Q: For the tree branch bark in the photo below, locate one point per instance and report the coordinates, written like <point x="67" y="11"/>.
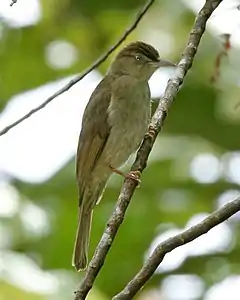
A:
<point x="100" y="60"/>
<point x="129" y="185"/>
<point x="172" y="243"/>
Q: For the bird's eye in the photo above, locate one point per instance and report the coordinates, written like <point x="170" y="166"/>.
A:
<point x="138" y="57"/>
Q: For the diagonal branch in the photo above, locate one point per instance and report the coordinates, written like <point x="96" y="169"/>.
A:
<point x="100" y="60"/>
<point x="172" y="243"/>
<point x="13" y="2"/>
<point x="141" y="160"/>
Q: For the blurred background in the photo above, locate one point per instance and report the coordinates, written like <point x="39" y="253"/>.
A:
<point x="193" y="169"/>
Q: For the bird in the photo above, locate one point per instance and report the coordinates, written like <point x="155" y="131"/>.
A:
<point x="114" y="123"/>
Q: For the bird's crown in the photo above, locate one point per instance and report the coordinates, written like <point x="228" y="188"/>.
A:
<point x="140" y="48"/>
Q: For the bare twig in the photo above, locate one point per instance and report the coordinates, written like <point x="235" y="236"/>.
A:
<point x="13" y="2"/>
<point x="172" y="243"/>
<point x="224" y="52"/>
<point x="140" y="163"/>
<point x="100" y="60"/>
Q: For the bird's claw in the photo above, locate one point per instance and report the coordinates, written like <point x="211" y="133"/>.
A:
<point x="151" y="132"/>
<point x="135" y="175"/>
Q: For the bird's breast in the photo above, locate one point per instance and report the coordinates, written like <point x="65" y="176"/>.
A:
<point x="129" y="119"/>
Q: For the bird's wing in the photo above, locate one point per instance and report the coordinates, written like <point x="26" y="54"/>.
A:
<point x="94" y="133"/>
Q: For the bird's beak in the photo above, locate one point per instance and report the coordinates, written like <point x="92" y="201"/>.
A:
<point x="166" y="63"/>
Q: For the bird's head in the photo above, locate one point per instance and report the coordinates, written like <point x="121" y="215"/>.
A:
<point x="140" y="60"/>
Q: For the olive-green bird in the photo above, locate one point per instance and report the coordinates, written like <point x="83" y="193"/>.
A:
<point x="114" y="123"/>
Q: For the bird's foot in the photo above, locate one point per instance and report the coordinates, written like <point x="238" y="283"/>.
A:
<point x="151" y="132"/>
<point x="135" y="175"/>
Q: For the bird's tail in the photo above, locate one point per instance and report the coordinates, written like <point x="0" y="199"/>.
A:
<point x="90" y="198"/>
<point x="82" y="239"/>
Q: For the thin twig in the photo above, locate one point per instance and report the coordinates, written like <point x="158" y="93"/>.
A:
<point x="13" y="2"/>
<point x="172" y="243"/>
<point x="141" y="160"/>
<point x="223" y="53"/>
<point x="100" y="60"/>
